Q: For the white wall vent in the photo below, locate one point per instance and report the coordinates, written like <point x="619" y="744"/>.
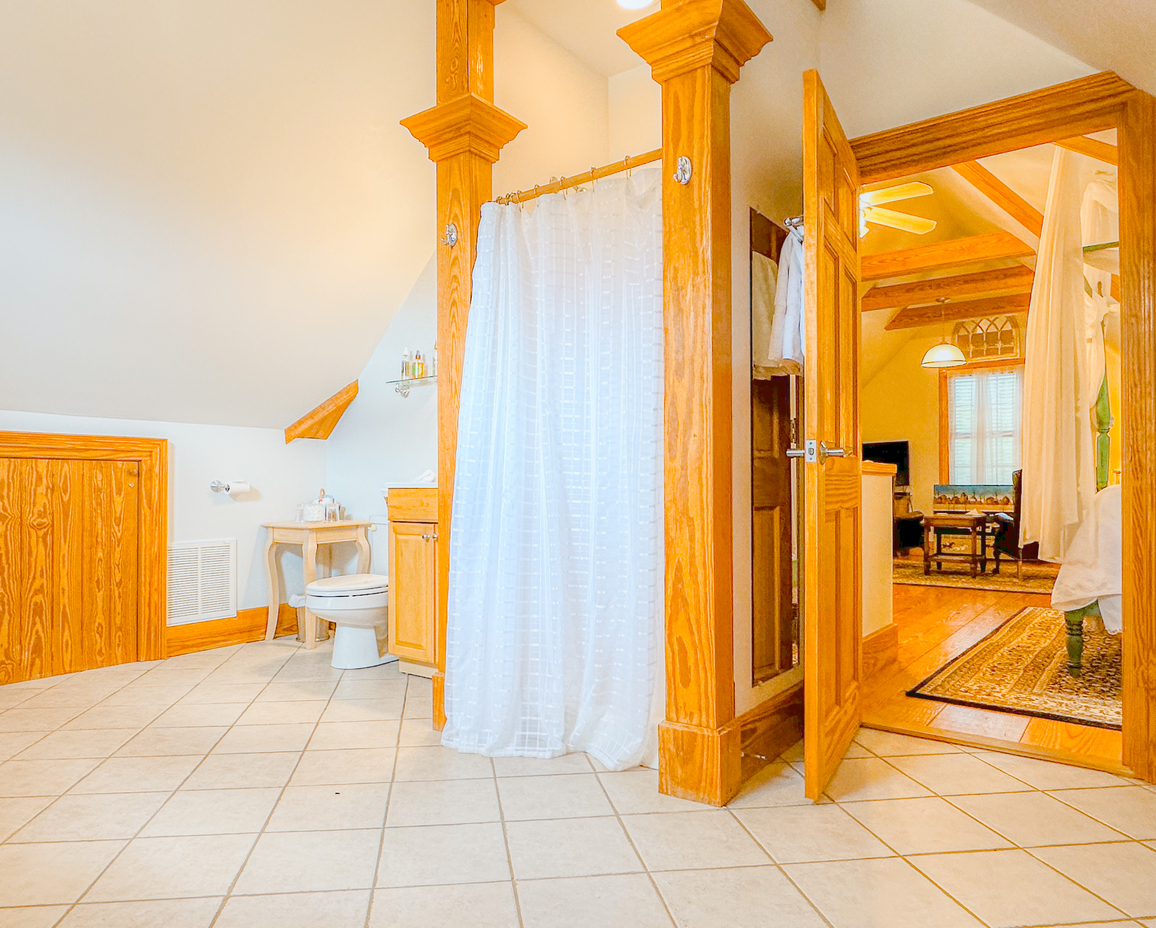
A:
<point x="202" y="581"/>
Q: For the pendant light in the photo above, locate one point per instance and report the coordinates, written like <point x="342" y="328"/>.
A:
<point x="944" y="354"/>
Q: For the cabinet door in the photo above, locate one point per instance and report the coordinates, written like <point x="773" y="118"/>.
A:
<point x="412" y="591"/>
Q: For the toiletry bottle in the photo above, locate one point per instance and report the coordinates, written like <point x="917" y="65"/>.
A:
<point x="434" y="368"/>
<point x="406" y="365"/>
<point x="418" y="366"/>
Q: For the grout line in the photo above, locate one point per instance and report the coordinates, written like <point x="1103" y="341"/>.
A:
<point x="388" y="801"/>
<point x="506" y="841"/>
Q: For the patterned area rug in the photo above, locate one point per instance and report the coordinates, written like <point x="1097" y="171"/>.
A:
<point x="1035" y="578"/>
<point x="1023" y="667"/>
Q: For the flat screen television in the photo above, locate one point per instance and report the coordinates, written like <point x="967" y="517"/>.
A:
<point x="891" y="452"/>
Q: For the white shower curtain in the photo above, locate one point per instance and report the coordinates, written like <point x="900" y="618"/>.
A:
<point x="555" y="638"/>
<point x="1059" y="476"/>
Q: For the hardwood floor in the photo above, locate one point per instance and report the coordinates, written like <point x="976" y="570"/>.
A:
<point x="938" y="623"/>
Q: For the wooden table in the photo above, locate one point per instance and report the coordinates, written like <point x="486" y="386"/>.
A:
<point x="936" y="526"/>
<point x="308" y="535"/>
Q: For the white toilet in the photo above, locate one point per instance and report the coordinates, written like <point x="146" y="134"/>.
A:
<point x="359" y="605"/>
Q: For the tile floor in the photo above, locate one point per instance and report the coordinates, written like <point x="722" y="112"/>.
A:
<point x="256" y="787"/>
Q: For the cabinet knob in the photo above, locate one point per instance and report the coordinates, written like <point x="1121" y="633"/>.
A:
<point x="432" y="537"/>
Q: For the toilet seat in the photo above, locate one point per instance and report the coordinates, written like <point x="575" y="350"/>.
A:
<point x="358" y="604"/>
<point x="349" y="585"/>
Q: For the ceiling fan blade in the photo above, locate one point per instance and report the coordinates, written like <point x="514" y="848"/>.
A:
<point x="896" y="192"/>
<point x="901" y="221"/>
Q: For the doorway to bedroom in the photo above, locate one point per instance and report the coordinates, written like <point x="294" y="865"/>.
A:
<point x="990" y="384"/>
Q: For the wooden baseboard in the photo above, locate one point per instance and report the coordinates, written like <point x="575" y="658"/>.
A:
<point x="247" y="625"/>
<point x="769" y="728"/>
<point x="699" y="764"/>
<point x="880" y="650"/>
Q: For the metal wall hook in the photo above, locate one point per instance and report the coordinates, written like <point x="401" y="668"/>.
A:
<point x="683" y="170"/>
<point x="451" y="238"/>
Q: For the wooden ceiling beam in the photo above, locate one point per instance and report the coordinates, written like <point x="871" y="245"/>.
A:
<point x="944" y="255"/>
<point x="1093" y="148"/>
<point x="320" y="422"/>
<point x="821" y="4"/>
<point x="1002" y="196"/>
<point x="1001" y="281"/>
<point x="915" y="316"/>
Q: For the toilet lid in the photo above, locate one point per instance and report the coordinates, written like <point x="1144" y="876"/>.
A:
<point x="355" y="584"/>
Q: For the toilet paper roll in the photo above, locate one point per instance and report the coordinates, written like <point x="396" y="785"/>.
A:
<point x="238" y="488"/>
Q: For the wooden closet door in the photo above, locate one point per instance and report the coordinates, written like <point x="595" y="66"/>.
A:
<point x="68" y="565"/>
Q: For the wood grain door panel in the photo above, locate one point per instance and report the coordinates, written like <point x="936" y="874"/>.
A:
<point x="413" y="591"/>
<point x="832" y="589"/>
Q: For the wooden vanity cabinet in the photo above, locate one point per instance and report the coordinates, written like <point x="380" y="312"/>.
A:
<point x="413" y="531"/>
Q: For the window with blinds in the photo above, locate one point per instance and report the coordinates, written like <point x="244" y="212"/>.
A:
<point x="985" y="425"/>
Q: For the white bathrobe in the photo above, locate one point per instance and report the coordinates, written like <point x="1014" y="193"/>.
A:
<point x="787" y="332"/>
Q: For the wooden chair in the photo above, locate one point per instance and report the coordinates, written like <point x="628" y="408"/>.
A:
<point x="1007" y="535"/>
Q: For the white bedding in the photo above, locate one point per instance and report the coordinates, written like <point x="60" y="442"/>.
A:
<point x="1092" y="570"/>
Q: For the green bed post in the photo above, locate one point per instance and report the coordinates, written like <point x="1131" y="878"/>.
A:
<point x="1103" y="421"/>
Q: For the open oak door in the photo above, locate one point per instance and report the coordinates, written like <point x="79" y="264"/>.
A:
<point x="832" y="543"/>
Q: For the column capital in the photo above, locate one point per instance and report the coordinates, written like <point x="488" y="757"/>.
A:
<point x="688" y="34"/>
<point x="465" y="124"/>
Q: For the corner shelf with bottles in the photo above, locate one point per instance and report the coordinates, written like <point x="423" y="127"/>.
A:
<point x="416" y="371"/>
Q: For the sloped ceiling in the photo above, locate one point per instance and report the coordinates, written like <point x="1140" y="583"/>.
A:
<point x="208" y="211"/>
<point x="1112" y="35"/>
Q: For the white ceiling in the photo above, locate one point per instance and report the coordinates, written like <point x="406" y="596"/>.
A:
<point x="1111" y="35"/>
<point x="587" y="28"/>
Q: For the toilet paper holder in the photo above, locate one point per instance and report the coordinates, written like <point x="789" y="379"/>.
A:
<point x="237" y="486"/>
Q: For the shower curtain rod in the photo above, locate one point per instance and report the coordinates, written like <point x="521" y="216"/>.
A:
<point x="564" y="183"/>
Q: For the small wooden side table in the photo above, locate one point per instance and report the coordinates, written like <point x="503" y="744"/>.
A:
<point x="308" y="535"/>
<point x="936" y="526"/>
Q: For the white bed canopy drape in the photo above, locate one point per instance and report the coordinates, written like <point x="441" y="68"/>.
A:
<point x="555" y="628"/>
<point x="1059" y="477"/>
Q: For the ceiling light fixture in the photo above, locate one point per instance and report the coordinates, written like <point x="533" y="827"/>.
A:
<point x="944" y="354"/>
<point x="634" y="4"/>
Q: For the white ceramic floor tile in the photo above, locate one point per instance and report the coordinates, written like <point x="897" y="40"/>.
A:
<point x="882" y="893"/>
<point x="172" y="868"/>
<point x="42" y="777"/>
<point x="749" y="897"/>
<point x="417" y="733"/>
<point x="336" y="736"/>
<point x="159" y="913"/>
<point x="311" y="861"/>
<point x="15" y="813"/>
<point x="438" y="763"/>
<point x="490" y="905"/>
<point x="693" y="840"/>
<point x="97" y="742"/>
<point x="569" y="847"/>
<point x="592" y="902"/>
<point x="1121" y="874"/>
<point x="36" y="719"/>
<point x="365" y="710"/>
<point x="135" y="717"/>
<point x="1130" y="809"/>
<point x="208" y="693"/>
<point x="243" y="771"/>
<point x="167" y="742"/>
<point x="796" y="834"/>
<point x="199" y="715"/>
<point x="1011" y="888"/>
<point x="288" y="692"/>
<point x="213" y="812"/>
<point x="574" y="796"/>
<point x="13" y="742"/>
<point x="924" y="826"/>
<point x="160" y="697"/>
<point x="957" y="774"/>
<point x="41" y="916"/>
<point x="434" y="854"/>
<point x="636" y="791"/>
<point x="296" y="910"/>
<point x="137" y="774"/>
<point x="1034" y="819"/>
<point x="888" y="744"/>
<point x="48" y="874"/>
<point x="331" y="808"/>
<point x="777" y="784"/>
<point x="872" y="778"/>
<point x="265" y="739"/>
<point x="443" y="802"/>
<point x="78" y="817"/>
<point x="298" y="711"/>
<point x="537" y="766"/>
<point x="368" y="765"/>
<point x="352" y="687"/>
<point x="1044" y="774"/>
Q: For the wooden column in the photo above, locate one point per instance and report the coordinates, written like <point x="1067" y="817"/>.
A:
<point x="695" y="49"/>
<point x="465" y="134"/>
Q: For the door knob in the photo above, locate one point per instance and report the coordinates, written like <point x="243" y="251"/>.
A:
<point x="825" y="452"/>
<point x="815" y="452"/>
<point x="796" y="452"/>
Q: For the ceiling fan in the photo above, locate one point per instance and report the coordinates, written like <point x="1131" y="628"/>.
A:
<point x="872" y="213"/>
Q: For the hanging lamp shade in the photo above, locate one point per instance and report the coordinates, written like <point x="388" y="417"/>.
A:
<point x="943" y="355"/>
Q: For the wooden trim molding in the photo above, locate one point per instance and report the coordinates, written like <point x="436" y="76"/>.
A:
<point x="247" y="625"/>
<point x="464" y="134"/>
<point x="1091" y="104"/>
<point x="768" y="729"/>
<point x="944" y="255"/>
<point x="1002" y="196"/>
<point x="320" y="422"/>
<point x="695" y="49"/>
<point x="152" y="458"/>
